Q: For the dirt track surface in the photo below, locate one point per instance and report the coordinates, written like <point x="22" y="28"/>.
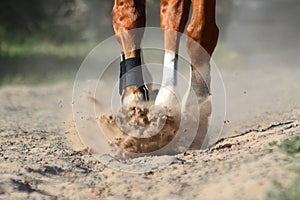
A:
<point x="41" y="157"/>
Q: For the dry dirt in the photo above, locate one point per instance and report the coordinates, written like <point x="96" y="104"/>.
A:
<point x="140" y="129"/>
<point x="41" y="157"/>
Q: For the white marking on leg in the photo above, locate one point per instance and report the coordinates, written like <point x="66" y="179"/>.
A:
<point x="170" y="69"/>
<point x="166" y="95"/>
<point x="187" y="93"/>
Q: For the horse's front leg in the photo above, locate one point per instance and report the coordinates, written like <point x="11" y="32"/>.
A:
<point x="128" y="15"/>
<point x="173" y="18"/>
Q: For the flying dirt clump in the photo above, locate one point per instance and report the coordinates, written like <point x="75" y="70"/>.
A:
<point x="140" y="129"/>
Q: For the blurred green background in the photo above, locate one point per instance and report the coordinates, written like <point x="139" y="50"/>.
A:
<point x="44" y="41"/>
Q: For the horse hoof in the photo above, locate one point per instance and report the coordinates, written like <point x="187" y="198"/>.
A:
<point x="134" y="99"/>
<point x="166" y="97"/>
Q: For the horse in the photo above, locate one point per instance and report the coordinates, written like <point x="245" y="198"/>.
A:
<point x="202" y="36"/>
<point x="202" y="32"/>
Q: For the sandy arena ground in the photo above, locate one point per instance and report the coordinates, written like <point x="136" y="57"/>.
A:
<point x="41" y="157"/>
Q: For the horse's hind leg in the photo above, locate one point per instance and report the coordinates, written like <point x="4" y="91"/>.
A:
<point x="202" y="33"/>
<point x="173" y="18"/>
<point x="202" y="38"/>
<point x="128" y="15"/>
